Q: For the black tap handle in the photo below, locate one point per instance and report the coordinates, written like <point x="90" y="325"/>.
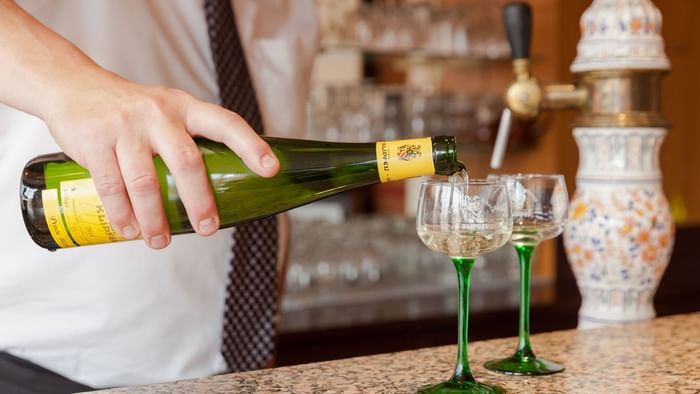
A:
<point x="517" y="18"/>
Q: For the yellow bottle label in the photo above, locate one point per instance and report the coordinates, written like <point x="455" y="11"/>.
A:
<point x="52" y="214"/>
<point x="84" y="214"/>
<point x="404" y="159"/>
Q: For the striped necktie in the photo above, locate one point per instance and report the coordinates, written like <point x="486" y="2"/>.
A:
<point x="250" y="307"/>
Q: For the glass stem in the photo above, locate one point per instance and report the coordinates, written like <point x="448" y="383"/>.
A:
<point x="462" y="372"/>
<point x="525" y="255"/>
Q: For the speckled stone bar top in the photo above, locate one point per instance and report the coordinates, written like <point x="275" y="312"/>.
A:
<point x="659" y="356"/>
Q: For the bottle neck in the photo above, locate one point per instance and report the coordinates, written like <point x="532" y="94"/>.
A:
<point x="445" y="155"/>
<point x="403" y="159"/>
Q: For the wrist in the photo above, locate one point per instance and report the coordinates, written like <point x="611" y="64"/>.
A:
<point x="69" y="89"/>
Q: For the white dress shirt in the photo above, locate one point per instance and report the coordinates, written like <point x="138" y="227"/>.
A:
<point x="122" y="314"/>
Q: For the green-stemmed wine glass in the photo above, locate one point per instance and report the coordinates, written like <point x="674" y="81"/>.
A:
<point x="463" y="220"/>
<point x="539" y="206"/>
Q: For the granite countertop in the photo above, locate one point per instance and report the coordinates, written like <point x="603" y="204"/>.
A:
<point x="659" y="356"/>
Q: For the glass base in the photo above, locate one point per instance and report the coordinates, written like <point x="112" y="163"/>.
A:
<point x="516" y="365"/>
<point x="461" y="387"/>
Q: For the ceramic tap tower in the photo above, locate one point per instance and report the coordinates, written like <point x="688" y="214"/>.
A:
<point x="620" y="231"/>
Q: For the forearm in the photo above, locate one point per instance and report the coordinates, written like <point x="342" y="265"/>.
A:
<point x="36" y="64"/>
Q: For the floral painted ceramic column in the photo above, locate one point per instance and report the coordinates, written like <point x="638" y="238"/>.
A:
<point x="620" y="231"/>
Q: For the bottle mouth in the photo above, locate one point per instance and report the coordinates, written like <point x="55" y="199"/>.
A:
<point x="445" y="155"/>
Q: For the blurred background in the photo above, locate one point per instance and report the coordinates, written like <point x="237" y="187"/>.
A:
<point x="359" y="281"/>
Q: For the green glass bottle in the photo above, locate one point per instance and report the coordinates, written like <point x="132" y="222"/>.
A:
<point x="61" y="208"/>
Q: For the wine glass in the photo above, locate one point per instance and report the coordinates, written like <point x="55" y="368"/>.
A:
<point x="539" y="207"/>
<point x="463" y="220"/>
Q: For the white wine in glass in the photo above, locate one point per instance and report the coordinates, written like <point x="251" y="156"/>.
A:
<point x="532" y="232"/>
<point x="539" y="206"/>
<point x="474" y="242"/>
<point x="463" y="220"/>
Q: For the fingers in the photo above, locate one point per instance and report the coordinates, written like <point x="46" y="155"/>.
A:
<point x="139" y="173"/>
<point x="139" y="122"/>
<point x="110" y="187"/>
<point x="183" y="159"/>
<point x="218" y="124"/>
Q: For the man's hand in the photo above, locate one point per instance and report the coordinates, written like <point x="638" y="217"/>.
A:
<point x="114" y="128"/>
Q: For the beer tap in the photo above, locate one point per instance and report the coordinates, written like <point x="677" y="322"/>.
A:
<point x="619" y="234"/>
<point x="525" y="96"/>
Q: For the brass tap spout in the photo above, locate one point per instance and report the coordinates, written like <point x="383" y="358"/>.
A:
<point x="525" y="96"/>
